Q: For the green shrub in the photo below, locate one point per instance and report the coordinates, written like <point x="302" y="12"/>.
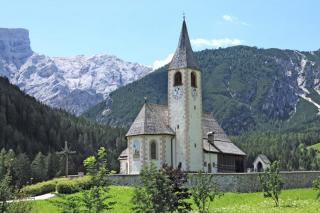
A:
<point x="204" y="191"/>
<point x="61" y="185"/>
<point x="70" y="186"/>
<point x="271" y="182"/>
<point x="40" y="188"/>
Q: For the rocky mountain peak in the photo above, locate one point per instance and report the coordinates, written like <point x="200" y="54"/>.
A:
<point x="15" y="45"/>
<point x="71" y="83"/>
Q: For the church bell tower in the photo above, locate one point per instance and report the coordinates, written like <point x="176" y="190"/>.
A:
<point x="185" y="105"/>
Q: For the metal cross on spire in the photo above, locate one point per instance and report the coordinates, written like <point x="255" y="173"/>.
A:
<point x="66" y="151"/>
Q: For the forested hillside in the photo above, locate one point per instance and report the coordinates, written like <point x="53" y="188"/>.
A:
<point x="35" y="132"/>
<point x="246" y="88"/>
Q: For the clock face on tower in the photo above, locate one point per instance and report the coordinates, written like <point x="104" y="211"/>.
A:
<point x="177" y="92"/>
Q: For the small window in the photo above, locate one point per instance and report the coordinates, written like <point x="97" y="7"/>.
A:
<point x="177" y="79"/>
<point x="153" y="150"/>
<point x="193" y="80"/>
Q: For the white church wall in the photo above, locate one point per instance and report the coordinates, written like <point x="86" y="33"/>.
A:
<point x="124" y="167"/>
<point x="195" y="122"/>
<point x="169" y="157"/>
<point x="212" y="159"/>
<point x="140" y="151"/>
<point x="136" y="154"/>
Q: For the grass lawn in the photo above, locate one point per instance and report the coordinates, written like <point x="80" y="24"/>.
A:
<point x="294" y="200"/>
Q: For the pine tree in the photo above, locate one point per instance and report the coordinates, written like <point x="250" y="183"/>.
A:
<point x="52" y="164"/>
<point x="21" y="170"/>
<point x="39" y="168"/>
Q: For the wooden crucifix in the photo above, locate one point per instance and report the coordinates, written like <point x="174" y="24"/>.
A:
<point x="66" y="152"/>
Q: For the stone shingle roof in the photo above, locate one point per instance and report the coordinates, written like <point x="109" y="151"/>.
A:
<point x="209" y="147"/>
<point x="222" y="143"/>
<point x="263" y="158"/>
<point x="209" y="124"/>
<point x="151" y="120"/>
<point x="184" y="57"/>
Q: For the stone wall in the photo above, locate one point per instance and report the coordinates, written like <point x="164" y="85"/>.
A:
<point x="239" y="182"/>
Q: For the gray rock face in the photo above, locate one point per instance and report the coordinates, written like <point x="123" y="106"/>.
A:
<point x="71" y="83"/>
<point x="15" y="45"/>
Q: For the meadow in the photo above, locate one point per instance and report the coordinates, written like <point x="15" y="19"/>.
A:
<point x="293" y="200"/>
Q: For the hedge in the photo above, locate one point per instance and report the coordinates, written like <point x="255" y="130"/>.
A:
<point x="70" y="186"/>
<point x="60" y="185"/>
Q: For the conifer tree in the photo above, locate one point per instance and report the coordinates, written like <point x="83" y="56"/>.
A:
<point x="39" y="168"/>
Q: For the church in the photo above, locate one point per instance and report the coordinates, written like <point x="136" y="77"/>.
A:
<point x="180" y="133"/>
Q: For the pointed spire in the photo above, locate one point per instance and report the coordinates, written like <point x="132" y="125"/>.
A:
<point x="184" y="57"/>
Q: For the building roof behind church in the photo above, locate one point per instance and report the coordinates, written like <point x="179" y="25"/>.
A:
<point x="221" y="143"/>
<point x="124" y="154"/>
<point x="151" y="120"/>
<point x="264" y="158"/>
<point x="209" y="124"/>
<point x="184" y="56"/>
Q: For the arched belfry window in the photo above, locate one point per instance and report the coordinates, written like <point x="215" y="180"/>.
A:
<point x="193" y="80"/>
<point x="153" y="150"/>
<point x="177" y="79"/>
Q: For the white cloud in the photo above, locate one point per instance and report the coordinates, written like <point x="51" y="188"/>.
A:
<point x="161" y="62"/>
<point x="216" y="43"/>
<point x="228" y="18"/>
<point x="233" y="19"/>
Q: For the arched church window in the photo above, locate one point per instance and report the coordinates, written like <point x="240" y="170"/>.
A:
<point x="153" y="150"/>
<point x="177" y="79"/>
<point x="193" y="80"/>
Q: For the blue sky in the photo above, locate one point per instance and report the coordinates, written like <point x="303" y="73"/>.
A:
<point x="146" y="31"/>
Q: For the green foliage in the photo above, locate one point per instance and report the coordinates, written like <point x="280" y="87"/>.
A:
<point x="271" y="182"/>
<point x="290" y="148"/>
<point x="96" y="198"/>
<point x="89" y="163"/>
<point x="28" y="126"/>
<point x="22" y="169"/>
<point x="40" y="188"/>
<point x="154" y="193"/>
<point x="204" y="191"/>
<point x="69" y="186"/>
<point x="6" y="192"/>
<point x="316" y="186"/>
<point x="178" y="180"/>
<point x="19" y="206"/>
<point x="67" y="204"/>
<point x="61" y="185"/>
<point x="39" y="168"/>
<point x="161" y="191"/>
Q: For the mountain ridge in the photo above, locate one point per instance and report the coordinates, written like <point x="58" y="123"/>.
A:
<point x="72" y="83"/>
